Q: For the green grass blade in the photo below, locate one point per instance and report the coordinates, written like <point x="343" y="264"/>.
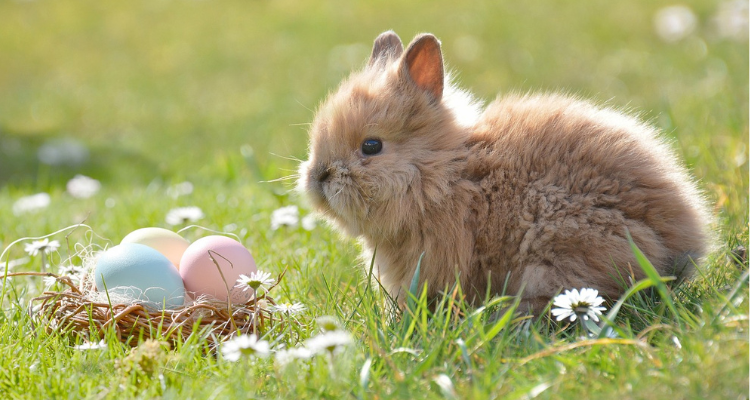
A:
<point x="372" y="267"/>
<point x="364" y="377"/>
<point x="503" y="321"/>
<point x="640" y="285"/>
<point x="413" y="287"/>
<point x="409" y="319"/>
<point x="653" y="275"/>
<point x="431" y="358"/>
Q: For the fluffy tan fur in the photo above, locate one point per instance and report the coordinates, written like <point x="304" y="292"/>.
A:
<point x="534" y="193"/>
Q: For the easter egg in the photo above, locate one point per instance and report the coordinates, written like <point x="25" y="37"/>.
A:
<point x="137" y="272"/>
<point x="216" y="278"/>
<point x="166" y="242"/>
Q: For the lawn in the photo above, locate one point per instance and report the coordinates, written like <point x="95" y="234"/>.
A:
<point x="144" y="96"/>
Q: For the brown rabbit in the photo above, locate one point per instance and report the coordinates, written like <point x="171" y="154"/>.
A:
<point x="533" y="194"/>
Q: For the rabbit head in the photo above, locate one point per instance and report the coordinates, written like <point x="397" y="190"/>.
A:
<point x="389" y="142"/>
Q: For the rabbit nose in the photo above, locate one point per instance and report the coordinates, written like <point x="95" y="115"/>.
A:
<point x="323" y="174"/>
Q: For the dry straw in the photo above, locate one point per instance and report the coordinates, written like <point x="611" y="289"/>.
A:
<point x="72" y="310"/>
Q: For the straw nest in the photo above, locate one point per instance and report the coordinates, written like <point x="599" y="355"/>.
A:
<point x="79" y="309"/>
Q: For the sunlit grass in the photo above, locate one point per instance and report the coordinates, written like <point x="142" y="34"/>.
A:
<point x="218" y="94"/>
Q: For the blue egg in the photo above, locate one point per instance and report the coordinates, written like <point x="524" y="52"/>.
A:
<point x="139" y="273"/>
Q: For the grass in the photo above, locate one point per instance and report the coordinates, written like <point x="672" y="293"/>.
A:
<point x="218" y="93"/>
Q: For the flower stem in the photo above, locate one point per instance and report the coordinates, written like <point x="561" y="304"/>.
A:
<point x="255" y="312"/>
<point x="330" y="364"/>
<point x="582" y="325"/>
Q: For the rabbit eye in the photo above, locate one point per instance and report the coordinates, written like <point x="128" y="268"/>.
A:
<point x="371" y="147"/>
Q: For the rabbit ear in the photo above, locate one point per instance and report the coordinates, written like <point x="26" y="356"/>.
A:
<point x="387" y="45"/>
<point x="424" y="64"/>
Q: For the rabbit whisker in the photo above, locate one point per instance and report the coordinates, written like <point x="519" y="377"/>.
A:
<point x="304" y="106"/>
<point x="282" y="179"/>
<point x="290" y="158"/>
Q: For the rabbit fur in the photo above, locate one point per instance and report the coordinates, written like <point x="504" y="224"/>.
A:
<point x="533" y="194"/>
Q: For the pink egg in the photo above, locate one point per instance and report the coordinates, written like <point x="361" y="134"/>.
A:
<point x="201" y="275"/>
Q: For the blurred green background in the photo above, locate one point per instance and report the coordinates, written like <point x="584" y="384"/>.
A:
<point x="220" y="92"/>
<point x="144" y="96"/>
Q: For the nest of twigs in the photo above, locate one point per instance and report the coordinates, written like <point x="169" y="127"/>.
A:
<point x="79" y="310"/>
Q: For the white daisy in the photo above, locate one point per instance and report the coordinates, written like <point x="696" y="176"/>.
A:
<point x="328" y="323"/>
<point x="308" y="222"/>
<point x="70" y="270"/>
<point x="573" y="304"/>
<point x="230" y="228"/>
<point x="331" y="341"/>
<point x="41" y="246"/>
<point x="75" y="273"/>
<point x="256" y="280"/>
<point x="446" y="386"/>
<point x="262" y="304"/>
<point x="610" y="333"/>
<point x="49" y="281"/>
<point x="35" y="202"/>
<point x="676" y="22"/>
<point x="82" y="187"/>
<point x="285" y="356"/>
<point x="288" y="308"/>
<point x="285" y="216"/>
<point x="180" y="189"/>
<point x="731" y="19"/>
<point x="91" y="346"/>
<point x="182" y="215"/>
<point x="14" y="263"/>
<point x="241" y="345"/>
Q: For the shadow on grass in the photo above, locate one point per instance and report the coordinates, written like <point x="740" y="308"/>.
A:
<point x="49" y="159"/>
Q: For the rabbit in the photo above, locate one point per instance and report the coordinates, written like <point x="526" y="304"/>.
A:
<point x="530" y="195"/>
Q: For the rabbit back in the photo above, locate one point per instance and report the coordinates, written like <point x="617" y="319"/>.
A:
<point x="560" y="182"/>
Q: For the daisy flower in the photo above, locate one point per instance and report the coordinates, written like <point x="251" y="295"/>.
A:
<point x="241" y="345"/>
<point x="446" y="386"/>
<point x="82" y="187"/>
<point x="256" y="280"/>
<point x="14" y="263"/>
<point x="182" y="215"/>
<point x="328" y="323"/>
<point x="676" y="342"/>
<point x="610" y="333"/>
<point x="70" y="270"/>
<point x="285" y="356"/>
<point x="49" y="281"/>
<point x="308" y="222"/>
<point x="41" y="246"/>
<point x="674" y="23"/>
<point x="180" y="189"/>
<point x="573" y="304"/>
<point x="285" y="216"/>
<point x="31" y="203"/>
<point x="91" y="346"/>
<point x="75" y="273"/>
<point x="331" y="341"/>
<point x="288" y="308"/>
<point x="730" y="20"/>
